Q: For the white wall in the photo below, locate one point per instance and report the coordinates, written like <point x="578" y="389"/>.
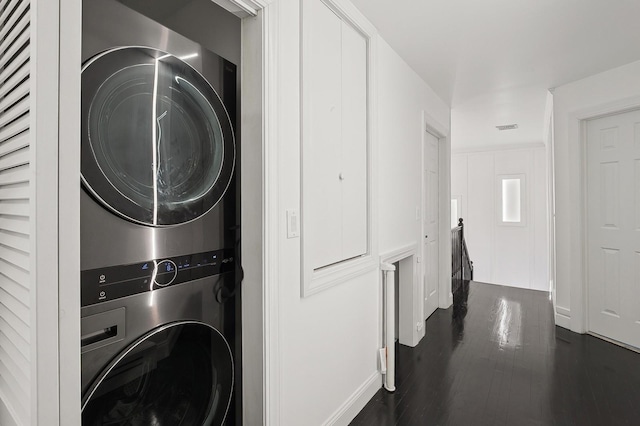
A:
<point x="327" y="350"/>
<point x="402" y="97"/>
<point x="608" y="92"/>
<point x="507" y="255"/>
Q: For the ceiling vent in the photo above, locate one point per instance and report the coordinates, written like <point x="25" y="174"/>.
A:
<point x="507" y="127"/>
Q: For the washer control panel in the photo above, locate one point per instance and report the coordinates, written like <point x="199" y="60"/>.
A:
<point x="113" y="282"/>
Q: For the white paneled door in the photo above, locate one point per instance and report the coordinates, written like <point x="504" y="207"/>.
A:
<point x="430" y="223"/>
<point x="613" y="209"/>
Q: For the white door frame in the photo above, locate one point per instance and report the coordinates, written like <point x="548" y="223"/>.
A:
<point x="441" y="131"/>
<point x="578" y="272"/>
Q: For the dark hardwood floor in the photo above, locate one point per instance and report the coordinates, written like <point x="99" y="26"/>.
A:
<point x="502" y="361"/>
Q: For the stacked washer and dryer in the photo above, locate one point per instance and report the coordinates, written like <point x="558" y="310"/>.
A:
<point x="159" y="225"/>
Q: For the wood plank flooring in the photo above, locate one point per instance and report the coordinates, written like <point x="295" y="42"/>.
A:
<point x="502" y="361"/>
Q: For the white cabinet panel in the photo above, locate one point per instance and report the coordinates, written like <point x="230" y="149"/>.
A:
<point x="354" y="143"/>
<point x="335" y="180"/>
<point x="324" y="140"/>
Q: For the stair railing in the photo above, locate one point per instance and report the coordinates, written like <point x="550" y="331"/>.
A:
<point x="461" y="264"/>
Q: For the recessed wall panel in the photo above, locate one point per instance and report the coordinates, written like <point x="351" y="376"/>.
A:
<point x="609" y="138"/>
<point x="433" y="194"/>
<point x="611" y="279"/>
<point x="609" y="199"/>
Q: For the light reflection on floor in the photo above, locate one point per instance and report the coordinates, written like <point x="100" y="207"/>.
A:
<point x="507" y="327"/>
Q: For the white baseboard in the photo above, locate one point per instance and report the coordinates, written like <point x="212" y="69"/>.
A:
<point x="563" y="317"/>
<point x="356" y="402"/>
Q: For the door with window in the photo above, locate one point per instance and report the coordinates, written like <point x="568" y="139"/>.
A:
<point x="613" y="209"/>
<point x="430" y="223"/>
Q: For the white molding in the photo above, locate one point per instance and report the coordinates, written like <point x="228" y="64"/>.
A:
<point x="356" y="402"/>
<point x="44" y="138"/>
<point x="271" y="224"/>
<point x="398" y="254"/>
<point x="243" y="8"/>
<point x="499" y="147"/>
<point x="563" y="311"/>
<point x="563" y="321"/>
<point x="409" y="334"/>
<point x="254" y="290"/>
<point x="578" y="243"/>
<point x="69" y="212"/>
<point x="316" y="280"/>
<point x="330" y="276"/>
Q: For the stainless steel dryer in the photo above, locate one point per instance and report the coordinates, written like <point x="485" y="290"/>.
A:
<point x="159" y="224"/>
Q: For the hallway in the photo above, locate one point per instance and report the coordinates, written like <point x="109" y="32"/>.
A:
<point x="504" y="362"/>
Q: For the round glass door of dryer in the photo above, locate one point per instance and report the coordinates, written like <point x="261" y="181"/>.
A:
<point x="180" y="374"/>
<point x="157" y="143"/>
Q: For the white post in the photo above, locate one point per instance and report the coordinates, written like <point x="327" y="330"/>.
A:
<point x="388" y="325"/>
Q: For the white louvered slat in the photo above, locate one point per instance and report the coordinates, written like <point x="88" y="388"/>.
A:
<point x="21" y="344"/>
<point x="18" y="93"/>
<point x="17" y="290"/>
<point x="19" y="174"/>
<point x="13" y="192"/>
<point x="15" y="240"/>
<point x="13" y="372"/>
<point x="14" y="273"/>
<point x="14" y="112"/>
<point x="15" y="128"/>
<point x="15" y="323"/>
<point x="15" y="143"/>
<point x="21" y="61"/>
<point x="12" y="391"/>
<point x="13" y="18"/>
<point x="14" y="360"/>
<point x="17" y="257"/>
<point x="14" y="159"/>
<point x="13" y="78"/>
<point x="16" y="39"/>
<point x="11" y="6"/>
<point x="15" y="224"/>
<point x="19" y="309"/>
<point x="15" y="211"/>
<point x="14" y="208"/>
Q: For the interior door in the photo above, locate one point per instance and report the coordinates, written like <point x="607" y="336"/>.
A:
<point x="430" y="223"/>
<point x="613" y="203"/>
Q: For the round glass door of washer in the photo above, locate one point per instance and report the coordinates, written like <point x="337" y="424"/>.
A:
<point x="180" y="374"/>
<point x="157" y="143"/>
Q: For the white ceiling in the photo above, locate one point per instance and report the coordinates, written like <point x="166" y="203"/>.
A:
<point x="492" y="60"/>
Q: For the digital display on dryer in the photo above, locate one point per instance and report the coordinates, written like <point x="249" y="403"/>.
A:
<point x="113" y="282"/>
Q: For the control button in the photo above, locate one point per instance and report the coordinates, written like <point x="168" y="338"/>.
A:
<point x="166" y="272"/>
<point x="103" y="279"/>
<point x="102" y="295"/>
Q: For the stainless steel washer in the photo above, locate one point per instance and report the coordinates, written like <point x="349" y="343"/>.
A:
<point x="159" y="224"/>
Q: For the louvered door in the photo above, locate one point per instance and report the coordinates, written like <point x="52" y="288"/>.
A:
<point x="15" y="365"/>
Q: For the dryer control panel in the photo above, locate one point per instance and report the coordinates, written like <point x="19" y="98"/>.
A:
<point x="113" y="282"/>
